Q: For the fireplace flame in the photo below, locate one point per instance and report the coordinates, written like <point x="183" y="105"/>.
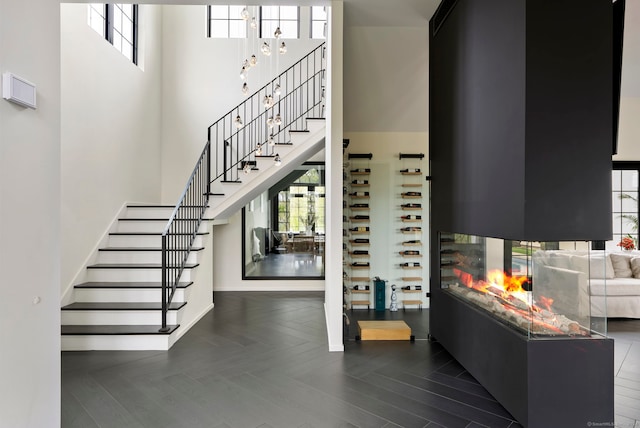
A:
<point x="513" y="302"/>
<point x="507" y="288"/>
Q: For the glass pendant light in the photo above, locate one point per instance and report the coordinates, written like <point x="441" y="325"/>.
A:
<point x="238" y="122"/>
<point x="243" y="73"/>
<point x="277" y="160"/>
<point x="277" y="90"/>
<point x="283" y="49"/>
<point x="267" y="102"/>
<point x="271" y="141"/>
<point x="278" y="120"/>
<point x="277" y="33"/>
<point x="253" y="61"/>
<point x="246" y="168"/>
<point x="244" y="14"/>
<point x="245" y="88"/>
<point x="266" y="49"/>
<point x="270" y="123"/>
<point x="253" y="24"/>
<point x="259" y="150"/>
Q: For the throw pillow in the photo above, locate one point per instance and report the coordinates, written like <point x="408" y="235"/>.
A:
<point x="596" y="267"/>
<point x="621" y="265"/>
<point x="635" y="267"/>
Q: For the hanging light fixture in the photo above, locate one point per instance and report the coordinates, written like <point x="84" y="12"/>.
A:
<point x="283" y="48"/>
<point x="243" y="72"/>
<point x="277" y="90"/>
<point x="246" y="168"/>
<point x="244" y="14"/>
<point x="266" y="49"/>
<point x="253" y="24"/>
<point x="245" y="88"/>
<point x="253" y="61"/>
<point x="271" y="141"/>
<point x="270" y="123"/>
<point x="277" y="33"/>
<point x="277" y="160"/>
<point x="238" y="122"/>
<point x="267" y="102"/>
<point x="259" y="150"/>
<point x="277" y="120"/>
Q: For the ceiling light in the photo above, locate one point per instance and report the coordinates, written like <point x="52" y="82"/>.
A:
<point x="246" y="168"/>
<point x="253" y="61"/>
<point x="277" y="160"/>
<point x="283" y="49"/>
<point x="277" y="120"/>
<point x="266" y="49"/>
<point x="271" y="141"/>
<point x="277" y="90"/>
<point x="277" y="33"/>
<point x="243" y="73"/>
<point x="259" y="150"/>
<point x="270" y="123"/>
<point x="267" y="101"/>
<point x="244" y="14"/>
<point x="253" y="24"/>
<point x="238" y="122"/>
<point x="245" y="88"/>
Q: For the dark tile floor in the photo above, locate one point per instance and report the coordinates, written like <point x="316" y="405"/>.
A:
<point x="261" y="360"/>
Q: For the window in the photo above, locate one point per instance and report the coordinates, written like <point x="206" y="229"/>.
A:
<point x="285" y="17"/>
<point x="225" y="22"/>
<point x="625" y="209"/>
<point x="318" y="22"/>
<point x="118" y="24"/>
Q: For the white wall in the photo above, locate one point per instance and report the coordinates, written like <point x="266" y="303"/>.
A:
<point x="629" y="131"/>
<point x="201" y="84"/>
<point x="111" y="114"/>
<point x="30" y="219"/>
<point x="385" y="189"/>
<point x="386" y="79"/>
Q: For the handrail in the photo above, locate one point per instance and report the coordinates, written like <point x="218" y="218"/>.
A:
<point x="182" y="228"/>
<point x="302" y="93"/>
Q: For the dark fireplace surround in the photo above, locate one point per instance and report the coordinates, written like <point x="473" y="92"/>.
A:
<point x="522" y="113"/>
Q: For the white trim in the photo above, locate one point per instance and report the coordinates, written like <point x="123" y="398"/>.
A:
<point x="333" y="347"/>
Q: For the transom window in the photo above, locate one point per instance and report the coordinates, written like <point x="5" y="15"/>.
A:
<point x="118" y="24"/>
<point x="225" y="22"/>
<point x="285" y="17"/>
<point x="318" y="22"/>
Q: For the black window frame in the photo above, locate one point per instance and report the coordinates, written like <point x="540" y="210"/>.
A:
<point x="279" y="20"/>
<point x="228" y="20"/>
<point x="617" y="216"/>
<point x="109" y="29"/>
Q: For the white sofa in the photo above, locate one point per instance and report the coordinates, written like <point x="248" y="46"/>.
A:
<point x="607" y="284"/>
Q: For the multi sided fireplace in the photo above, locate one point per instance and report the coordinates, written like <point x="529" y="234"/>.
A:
<point x="521" y="130"/>
<point x="538" y="289"/>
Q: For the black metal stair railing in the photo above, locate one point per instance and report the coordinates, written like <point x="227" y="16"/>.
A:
<point x="182" y="229"/>
<point x="301" y="97"/>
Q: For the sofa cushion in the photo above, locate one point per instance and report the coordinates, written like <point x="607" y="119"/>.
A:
<point x="560" y="260"/>
<point x="615" y="287"/>
<point x="594" y="266"/>
<point x="621" y="265"/>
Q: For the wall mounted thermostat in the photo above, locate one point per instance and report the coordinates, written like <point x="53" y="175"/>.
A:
<point x="18" y="90"/>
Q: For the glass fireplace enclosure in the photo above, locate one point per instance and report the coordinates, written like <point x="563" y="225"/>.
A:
<point x="541" y="290"/>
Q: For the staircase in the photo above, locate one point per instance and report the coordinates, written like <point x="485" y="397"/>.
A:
<point x="121" y="303"/>
<point x="118" y="306"/>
